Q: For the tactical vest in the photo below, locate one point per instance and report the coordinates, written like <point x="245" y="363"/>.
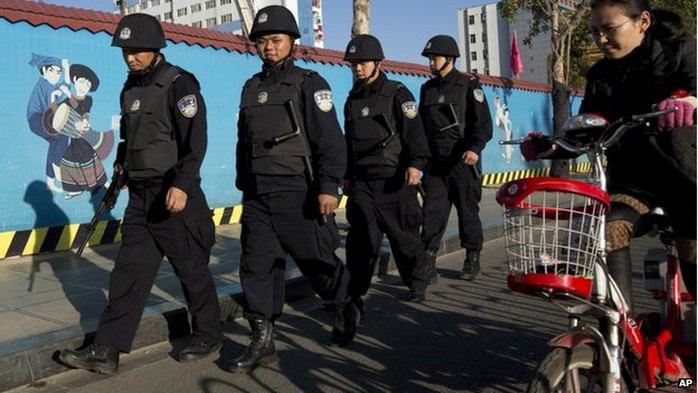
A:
<point x="445" y="124"/>
<point x="371" y="128"/>
<point x="150" y="135"/>
<point x="266" y="114"/>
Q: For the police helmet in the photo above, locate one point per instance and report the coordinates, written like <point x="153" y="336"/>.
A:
<point x="364" y="47"/>
<point x="441" y="45"/>
<point x="139" y="31"/>
<point x="274" y="19"/>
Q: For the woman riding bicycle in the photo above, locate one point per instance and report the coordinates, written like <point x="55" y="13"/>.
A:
<point x="649" y="62"/>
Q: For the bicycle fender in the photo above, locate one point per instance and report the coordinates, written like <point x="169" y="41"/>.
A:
<point x="585" y="335"/>
<point x="571" y="339"/>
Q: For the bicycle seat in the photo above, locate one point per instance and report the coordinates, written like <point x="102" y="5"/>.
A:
<point x="652" y="223"/>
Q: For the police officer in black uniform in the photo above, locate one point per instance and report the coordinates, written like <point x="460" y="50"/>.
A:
<point x="290" y="161"/>
<point x="387" y="152"/>
<point x="163" y="127"/>
<point x="458" y="125"/>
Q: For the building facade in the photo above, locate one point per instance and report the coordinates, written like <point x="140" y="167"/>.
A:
<point x="224" y="15"/>
<point x="485" y="40"/>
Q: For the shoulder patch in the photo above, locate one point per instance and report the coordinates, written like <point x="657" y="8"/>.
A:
<point x="323" y="100"/>
<point x="479" y="95"/>
<point x="188" y="106"/>
<point x="410" y="110"/>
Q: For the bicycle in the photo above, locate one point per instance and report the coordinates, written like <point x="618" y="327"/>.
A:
<point x="555" y="242"/>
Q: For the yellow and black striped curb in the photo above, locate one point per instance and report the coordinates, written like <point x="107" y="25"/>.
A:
<point x="64" y="237"/>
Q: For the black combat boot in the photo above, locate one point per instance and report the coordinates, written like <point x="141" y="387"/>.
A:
<point x="346" y="317"/>
<point x="261" y="349"/>
<point x="471" y="265"/>
<point x="95" y="357"/>
<point x="431" y="266"/>
<point x="198" y="349"/>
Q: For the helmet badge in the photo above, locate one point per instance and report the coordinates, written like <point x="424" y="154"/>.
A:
<point x="365" y="112"/>
<point x="263" y="17"/>
<point x="428" y="45"/>
<point x="262" y="97"/>
<point x="352" y="49"/>
<point x="125" y="33"/>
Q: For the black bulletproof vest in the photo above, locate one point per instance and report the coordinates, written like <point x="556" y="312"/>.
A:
<point x="151" y="141"/>
<point x="266" y="110"/>
<point x="371" y="128"/>
<point x="445" y="125"/>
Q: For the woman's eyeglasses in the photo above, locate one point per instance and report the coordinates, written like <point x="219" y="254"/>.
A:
<point x="606" y="31"/>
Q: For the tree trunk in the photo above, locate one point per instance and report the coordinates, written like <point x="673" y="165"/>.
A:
<point x="560" y="93"/>
<point x="362" y="18"/>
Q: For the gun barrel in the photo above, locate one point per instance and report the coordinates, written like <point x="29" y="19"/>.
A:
<point x="107" y="203"/>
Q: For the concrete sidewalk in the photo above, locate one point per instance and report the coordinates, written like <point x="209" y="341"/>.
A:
<point x="53" y="301"/>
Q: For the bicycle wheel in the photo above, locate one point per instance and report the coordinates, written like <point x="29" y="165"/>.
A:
<point x="569" y="371"/>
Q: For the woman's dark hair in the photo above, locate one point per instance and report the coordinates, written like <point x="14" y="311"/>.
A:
<point x="666" y="26"/>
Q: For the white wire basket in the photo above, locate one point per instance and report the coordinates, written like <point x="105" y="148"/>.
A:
<point x="553" y="231"/>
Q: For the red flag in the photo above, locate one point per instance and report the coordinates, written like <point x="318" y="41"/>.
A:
<point x="515" y="60"/>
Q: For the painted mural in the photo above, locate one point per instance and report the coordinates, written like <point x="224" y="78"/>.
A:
<point x="60" y="113"/>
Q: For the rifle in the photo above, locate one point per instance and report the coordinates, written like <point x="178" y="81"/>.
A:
<point x="107" y="203"/>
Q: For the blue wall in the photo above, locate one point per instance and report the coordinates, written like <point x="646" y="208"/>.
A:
<point x="221" y="73"/>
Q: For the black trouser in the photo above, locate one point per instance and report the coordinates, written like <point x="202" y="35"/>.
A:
<point x="281" y="223"/>
<point x="150" y="232"/>
<point x="456" y="187"/>
<point x="383" y="206"/>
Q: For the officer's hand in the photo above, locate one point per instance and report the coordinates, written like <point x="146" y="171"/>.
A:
<point x="470" y="157"/>
<point x="328" y="203"/>
<point x="413" y="176"/>
<point x="123" y="176"/>
<point x="176" y="200"/>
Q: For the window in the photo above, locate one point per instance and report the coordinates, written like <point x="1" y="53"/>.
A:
<point x="473" y="56"/>
<point x="210" y="22"/>
<point x="224" y="2"/>
<point x="131" y="9"/>
<point x="472" y="39"/>
<point x="197" y="24"/>
<point x="484" y="37"/>
<point x="210" y="4"/>
<point x="182" y="11"/>
<point x="484" y="54"/>
<point x="474" y="71"/>
<point x="227" y="18"/>
<point x="483" y="17"/>
<point x="154" y="3"/>
<point x="167" y="15"/>
<point x="168" y="1"/>
<point x="195" y="8"/>
<point x="471" y="19"/>
<point x="144" y="5"/>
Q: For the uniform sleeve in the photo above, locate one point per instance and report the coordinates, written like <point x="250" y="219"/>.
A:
<point x="240" y="157"/>
<point x="422" y="107"/>
<point x="478" y="120"/>
<point x="189" y="118"/>
<point x="121" y="147"/>
<point x="350" y="172"/>
<point x="325" y="137"/>
<point x="411" y="129"/>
